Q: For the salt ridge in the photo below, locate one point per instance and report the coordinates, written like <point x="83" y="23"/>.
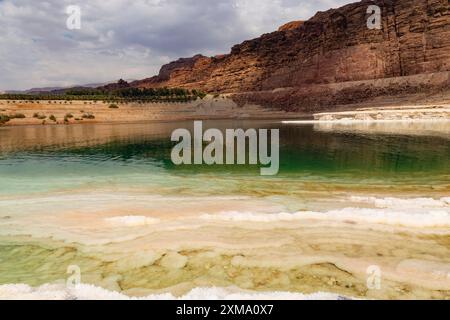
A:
<point x="132" y="221"/>
<point x="91" y="292"/>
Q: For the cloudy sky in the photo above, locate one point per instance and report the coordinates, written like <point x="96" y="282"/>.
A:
<point x="128" y="39"/>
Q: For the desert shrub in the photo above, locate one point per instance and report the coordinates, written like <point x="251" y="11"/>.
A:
<point x="4" y="118"/>
<point x="69" y="116"/>
<point x="39" y="116"/>
<point x="17" y="116"/>
<point x="198" y="93"/>
<point x="113" y="106"/>
<point x="52" y="117"/>
<point x="88" y="116"/>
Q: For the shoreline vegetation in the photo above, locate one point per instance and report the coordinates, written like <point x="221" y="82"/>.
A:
<point x="139" y="95"/>
<point x="50" y="102"/>
<point x="51" y="112"/>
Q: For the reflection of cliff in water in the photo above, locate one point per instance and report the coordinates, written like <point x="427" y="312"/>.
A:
<point x="373" y="149"/>
<point x="37" y="138"/>
<point x="322" y="149"/>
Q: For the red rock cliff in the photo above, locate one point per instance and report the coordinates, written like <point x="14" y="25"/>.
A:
<point x="333" y="46"/>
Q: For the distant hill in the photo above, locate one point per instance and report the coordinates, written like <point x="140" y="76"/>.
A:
<point x="56" y="89"/>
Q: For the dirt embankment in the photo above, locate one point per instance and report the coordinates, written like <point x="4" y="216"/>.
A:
<point x="62" y="112"/>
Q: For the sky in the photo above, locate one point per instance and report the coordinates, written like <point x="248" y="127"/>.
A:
<point x="42" y="46"/>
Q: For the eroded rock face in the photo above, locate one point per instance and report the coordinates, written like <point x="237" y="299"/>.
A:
<point x="178" y="72"/>
<point x="333" y="46"/>
<point x="291" y="25"/>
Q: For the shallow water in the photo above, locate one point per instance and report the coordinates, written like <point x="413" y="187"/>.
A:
<point x="108" y="199"/>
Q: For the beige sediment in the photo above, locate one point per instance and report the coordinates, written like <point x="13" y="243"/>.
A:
<point x="182" y="251"/>
<point x="208" y="108"/>
<point x="309" y="258"/>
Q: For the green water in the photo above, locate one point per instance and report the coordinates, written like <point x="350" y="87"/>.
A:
<point x="142" y="157"/>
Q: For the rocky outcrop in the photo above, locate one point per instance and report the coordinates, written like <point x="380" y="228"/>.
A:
<point x="179" y="73"/>
<point x="121" y="84"/>
<point x="291" y="26"/>
<point x="322" y="97"/>
<point x="332" y="47"/>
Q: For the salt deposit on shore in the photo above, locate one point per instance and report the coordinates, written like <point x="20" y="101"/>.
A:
<point x="404" y="114"/>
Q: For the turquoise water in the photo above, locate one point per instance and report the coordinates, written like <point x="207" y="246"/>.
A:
<point x="141" y="157"/>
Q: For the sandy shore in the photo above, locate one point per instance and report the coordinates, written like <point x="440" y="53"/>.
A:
<point x="79" y="112"/>
<point x="208" y="108"/>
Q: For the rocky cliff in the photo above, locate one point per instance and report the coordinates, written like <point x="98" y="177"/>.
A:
<point x="332" y="47"/>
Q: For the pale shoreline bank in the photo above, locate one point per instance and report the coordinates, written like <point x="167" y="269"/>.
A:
<point x="383" y="115"/>
<point x="78" y="112"/>
<point x="210" y="108"/>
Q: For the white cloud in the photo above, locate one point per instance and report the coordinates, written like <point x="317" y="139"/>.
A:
<point x="128" y="38"/>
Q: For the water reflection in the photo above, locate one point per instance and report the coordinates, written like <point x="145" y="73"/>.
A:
<point x="304" y="148"/>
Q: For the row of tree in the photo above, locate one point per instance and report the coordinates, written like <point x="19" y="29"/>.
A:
<point x="124" y="94"/>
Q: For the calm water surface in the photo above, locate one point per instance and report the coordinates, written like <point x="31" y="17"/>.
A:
<point x="39" y="159"/>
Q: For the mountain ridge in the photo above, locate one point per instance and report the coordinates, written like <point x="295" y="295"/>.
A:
<point x="333" y="46"/>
